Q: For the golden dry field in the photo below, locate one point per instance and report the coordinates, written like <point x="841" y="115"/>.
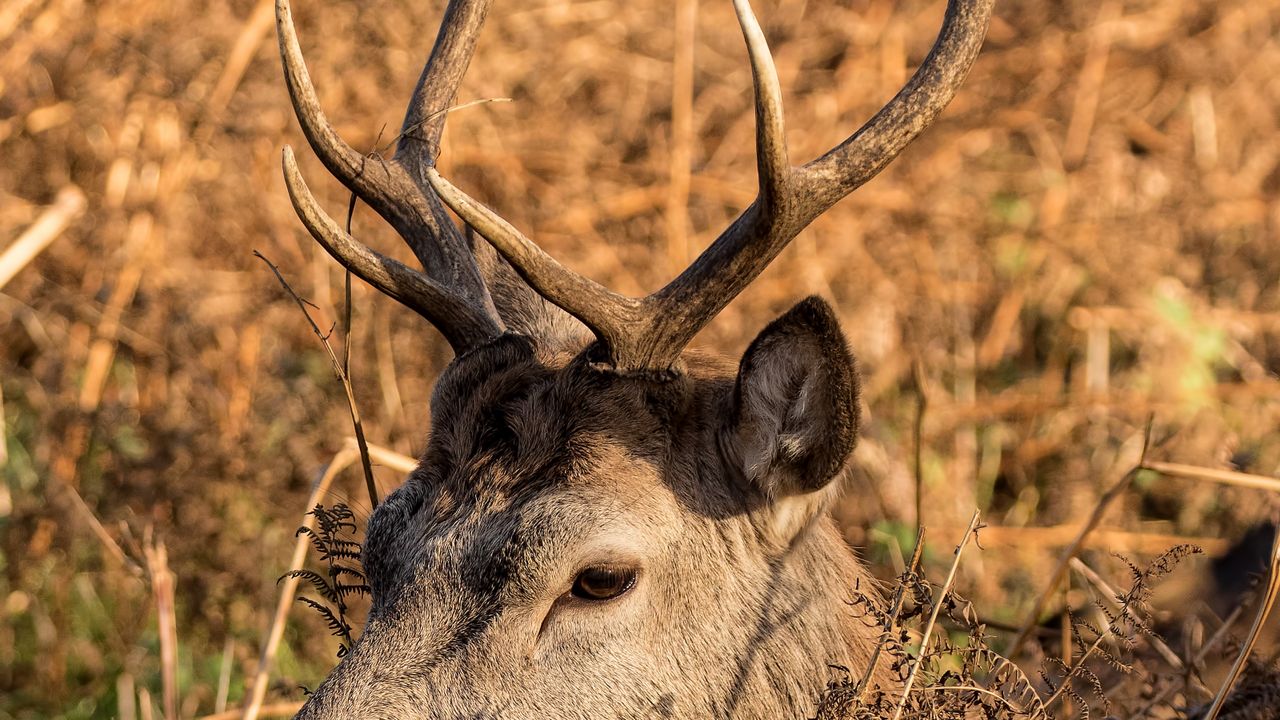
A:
<point x="1087" y="241"/>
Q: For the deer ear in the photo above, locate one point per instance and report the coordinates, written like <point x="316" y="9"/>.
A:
<point x="795" y="412"/>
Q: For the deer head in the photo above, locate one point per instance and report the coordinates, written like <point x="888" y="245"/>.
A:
<point x="605" y="524"/>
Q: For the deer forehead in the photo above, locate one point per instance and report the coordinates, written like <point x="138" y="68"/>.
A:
<point x="505" y="416"/>
<point x="520" y="542"/>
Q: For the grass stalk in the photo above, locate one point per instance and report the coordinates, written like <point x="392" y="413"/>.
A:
<point x="289" y="585"/>
<point x="891" y="622"/>
<point x="933" y="616"/>
<point x="162" y="590"/>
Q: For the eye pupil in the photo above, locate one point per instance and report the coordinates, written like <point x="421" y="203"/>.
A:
<point x="603" y="583"/>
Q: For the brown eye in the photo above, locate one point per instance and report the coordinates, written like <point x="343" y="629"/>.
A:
<point x="603" y="583"/>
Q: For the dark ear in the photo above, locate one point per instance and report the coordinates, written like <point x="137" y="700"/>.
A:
<point x="795" y="409"/>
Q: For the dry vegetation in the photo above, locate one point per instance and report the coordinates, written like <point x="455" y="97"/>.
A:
<point x="1090" y="236"/>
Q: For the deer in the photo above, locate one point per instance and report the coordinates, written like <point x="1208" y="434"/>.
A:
<point x="605" y="523"/>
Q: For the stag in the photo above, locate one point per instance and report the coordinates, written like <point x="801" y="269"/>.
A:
<point x="605" y="524"/>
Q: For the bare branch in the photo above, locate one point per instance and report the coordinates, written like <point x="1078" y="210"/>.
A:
<point x="341" y="368"/>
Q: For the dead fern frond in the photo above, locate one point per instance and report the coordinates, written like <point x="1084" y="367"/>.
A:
<point x="343" y="577"/>
<point x="1126" y="622"/>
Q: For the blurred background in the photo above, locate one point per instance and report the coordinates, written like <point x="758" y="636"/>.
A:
<point x="1087" y="238"/>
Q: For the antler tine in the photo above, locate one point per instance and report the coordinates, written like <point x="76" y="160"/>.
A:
<point x="772" y="162"/>
<point x="462" y="325"/>
<point x="865" y="153"/>
<point x="636" y="334"/>
<point x="412" y="210"/>
<point x="791" y="199"/>
<point x="372" y="181"/>
<point x="438" y="86"/>
<point x="609" y="315"/>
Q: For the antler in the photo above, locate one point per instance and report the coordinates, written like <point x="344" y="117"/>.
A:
<point x="651" y="332"/>
<point x="451" y="293"/>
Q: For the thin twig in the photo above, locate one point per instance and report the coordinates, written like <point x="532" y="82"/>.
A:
<point x="346" y="299"/>
<point x="47" y="228"/>
<point x="891" y="621"/>
<point x="109" y="544"/>
<point x="433" y="116"/>
<point x="933" y="616"/>
<point x="1226" y="477"/>
<point x="370" y="485"/>
<point x="340" y="369"/>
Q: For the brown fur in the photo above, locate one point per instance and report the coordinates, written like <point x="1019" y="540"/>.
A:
<point x="540" y="463"/>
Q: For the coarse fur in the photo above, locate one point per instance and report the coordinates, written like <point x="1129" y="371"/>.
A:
<point x="540" y="463"/>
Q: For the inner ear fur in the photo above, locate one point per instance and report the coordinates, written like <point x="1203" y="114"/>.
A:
<point x="795" y="414"/>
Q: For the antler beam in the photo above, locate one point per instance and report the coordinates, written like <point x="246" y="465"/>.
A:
<point x="650" y="333"/>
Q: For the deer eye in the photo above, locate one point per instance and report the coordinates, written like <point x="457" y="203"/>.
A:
<point x="603" y="583"/>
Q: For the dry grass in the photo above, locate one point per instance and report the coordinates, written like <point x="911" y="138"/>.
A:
<point x="1089" y="236"/>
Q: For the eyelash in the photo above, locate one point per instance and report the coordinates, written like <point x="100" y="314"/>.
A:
<point x="600" y="583"/>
